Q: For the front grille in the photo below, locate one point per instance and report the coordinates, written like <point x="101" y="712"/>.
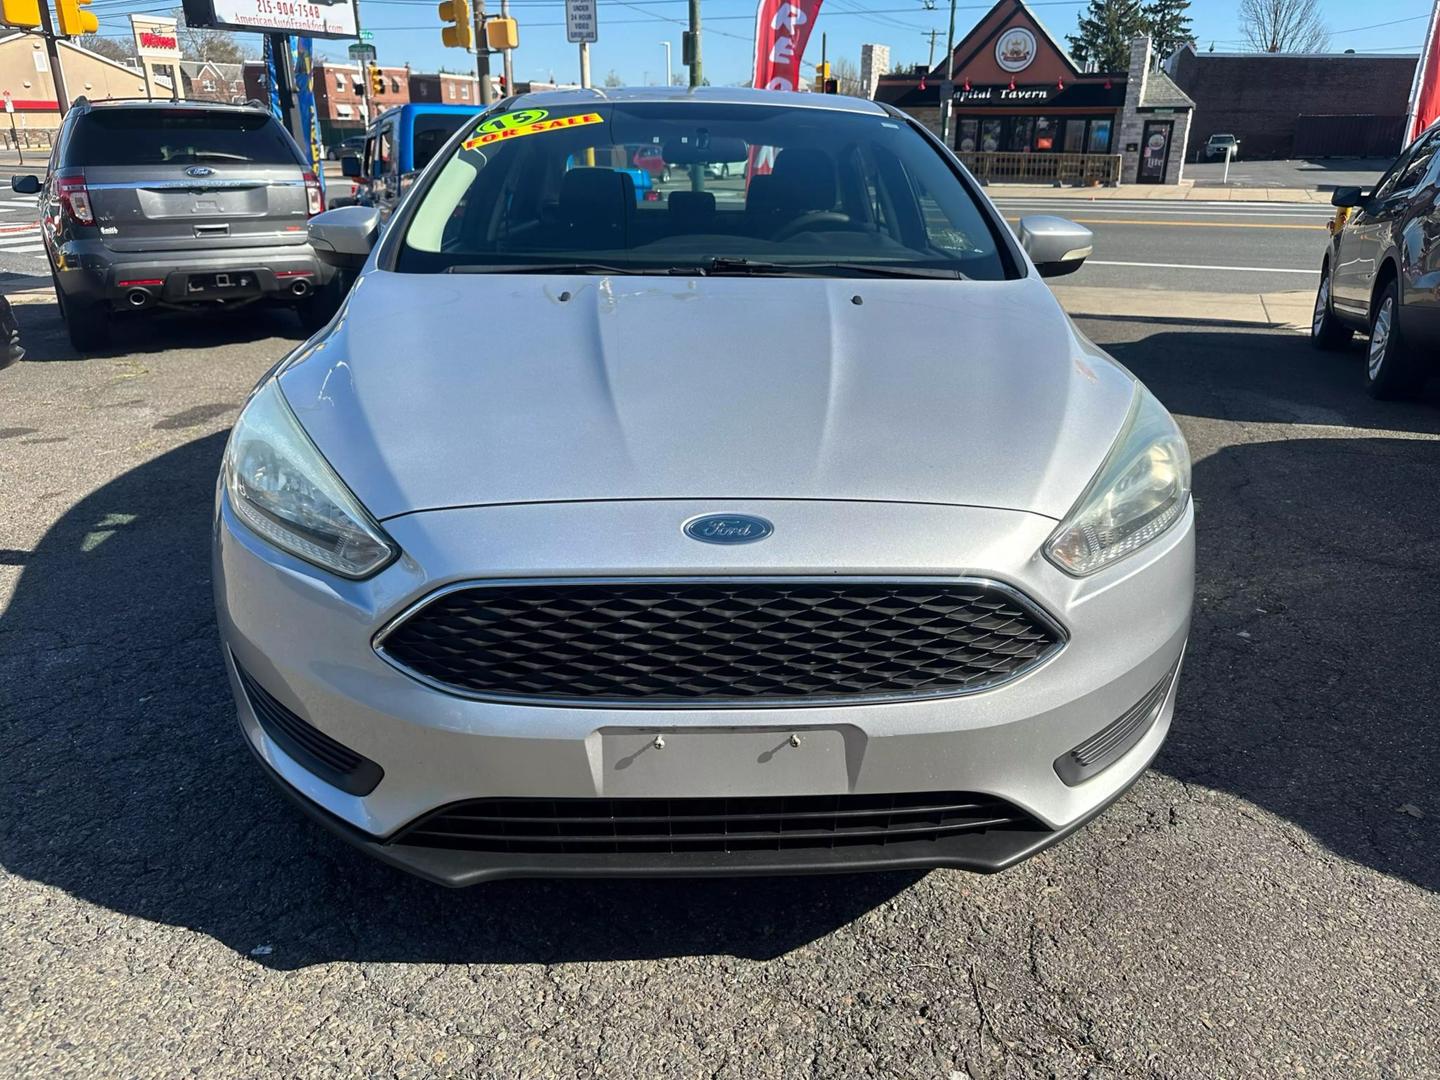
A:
<point x="675" y="826"/>
<point x="717" y="642"/>
<point x="331" y="761"/>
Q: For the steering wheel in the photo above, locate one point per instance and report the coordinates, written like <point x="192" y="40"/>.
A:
<point x="814" y="220"/>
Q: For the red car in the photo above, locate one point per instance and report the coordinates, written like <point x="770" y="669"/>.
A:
<point x="650" y="159"/>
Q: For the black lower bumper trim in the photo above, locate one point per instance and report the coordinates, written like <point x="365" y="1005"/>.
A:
<point x="983" y="853"/>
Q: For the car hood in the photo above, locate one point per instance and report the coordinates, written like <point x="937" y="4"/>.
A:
<point x="467" y="389"/>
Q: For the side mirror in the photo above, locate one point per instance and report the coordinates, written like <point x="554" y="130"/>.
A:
<point x="1348" y="197"/>
<point x="345" y="236"/>
<point x="350" y="166"/>
<point x="28" y="184"/>
<point x="1056" y="246"/>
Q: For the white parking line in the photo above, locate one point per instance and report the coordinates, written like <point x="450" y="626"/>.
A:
<point x="1197" y="266"/>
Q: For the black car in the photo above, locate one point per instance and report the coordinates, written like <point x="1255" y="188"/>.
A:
<point x="354" y="146"/>
<point x="1381" y="273"/>
<point x="164" y="204"/>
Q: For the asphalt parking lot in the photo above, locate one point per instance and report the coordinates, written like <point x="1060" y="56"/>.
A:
<point x="1262" y="903"/>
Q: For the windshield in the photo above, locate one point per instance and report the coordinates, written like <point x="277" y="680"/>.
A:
<point x="681" y="186"/>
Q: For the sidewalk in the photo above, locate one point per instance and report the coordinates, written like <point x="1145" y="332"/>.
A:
<point x="1159" y="192"/>
<point x="1290" y="310"/>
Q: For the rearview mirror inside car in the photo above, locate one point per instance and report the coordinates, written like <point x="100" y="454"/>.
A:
<point x="1056" y="246"/>
<point x="26" y="185"/>
<point x="345" y="236"/>
<point x="1348" y="197"/>
<point x="350" y="166"/>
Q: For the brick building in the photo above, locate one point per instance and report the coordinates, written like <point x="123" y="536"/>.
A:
<point x="339" y="95"/>
<point x="206" y="80"/>
<point x="446" y="88"/>
<point x="1282" y="105"/>
<point x="1021" y="109"/>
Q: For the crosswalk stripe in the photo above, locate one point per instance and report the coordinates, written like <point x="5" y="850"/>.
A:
<point x="19" y="238"/>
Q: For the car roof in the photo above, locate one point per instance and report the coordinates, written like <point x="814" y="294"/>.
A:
<point x="167" y="105"/>
<point x="709" y="95"/>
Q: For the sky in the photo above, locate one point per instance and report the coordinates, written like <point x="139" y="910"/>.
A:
<point x="631" y="32"/>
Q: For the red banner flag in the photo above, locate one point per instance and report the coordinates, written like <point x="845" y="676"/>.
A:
<point x="782" y="27"/>
<point x="1425" y="96"/>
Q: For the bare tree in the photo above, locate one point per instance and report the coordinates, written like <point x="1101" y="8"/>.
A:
<point x="1284" y="26"/>
<point x="846" y="74"/>
<point x="108" y="47"/>
<point x="221" y="46"/>
<point x="612" y="79"/>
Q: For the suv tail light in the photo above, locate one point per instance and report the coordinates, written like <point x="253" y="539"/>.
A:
<point x="315" y="201"/>
<point x="75" y="199"/>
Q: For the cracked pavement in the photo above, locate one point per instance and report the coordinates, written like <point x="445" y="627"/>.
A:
<point x="1263" y="903"/>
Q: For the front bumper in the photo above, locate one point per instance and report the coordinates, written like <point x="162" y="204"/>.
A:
<point x="307" y="639"/>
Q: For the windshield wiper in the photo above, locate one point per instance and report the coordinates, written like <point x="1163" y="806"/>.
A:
<point x="546" y="268"/>
<point x="724" y="264"/>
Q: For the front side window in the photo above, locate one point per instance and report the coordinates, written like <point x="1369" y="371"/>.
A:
<point x="646" y="187"/>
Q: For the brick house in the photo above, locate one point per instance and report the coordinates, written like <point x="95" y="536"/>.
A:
<point x="206" y="80"/>
<point x="446" y="88"/>
<point x="339" y="95"/>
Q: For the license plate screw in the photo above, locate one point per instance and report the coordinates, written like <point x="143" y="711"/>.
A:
<point x="794" y="740"/>
<point x="659" y="742"/>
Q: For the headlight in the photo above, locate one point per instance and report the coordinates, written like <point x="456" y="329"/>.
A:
<point x="282" y="487"/>
<point x="1140" y="491"/>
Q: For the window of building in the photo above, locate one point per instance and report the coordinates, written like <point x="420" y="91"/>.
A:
<point x="465" y="91"/>
<point x="358" y="84"/>
<point x="1099" y="141"/>
<point x="990" y="135"/>
<point x="1045" y="134"/>
<point x="967" y="136"/>
<point x="208" y="85"/>
<point x="1020" y="134"/>
<point x="394" y="84"/>
<point x="340" y="82"/>
<point x="1074" y="137"/>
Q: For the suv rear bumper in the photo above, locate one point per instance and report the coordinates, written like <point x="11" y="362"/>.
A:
<point x="92" y="273"/>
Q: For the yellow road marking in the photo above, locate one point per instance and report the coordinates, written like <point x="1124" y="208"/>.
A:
<point x="1183" y="224"/>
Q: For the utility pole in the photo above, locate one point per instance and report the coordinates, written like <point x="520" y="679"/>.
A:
<point x="696" y="75"/>
<point x="947" y="88"/>
<point x="364" y="77"/>
<point x="932" y="35"/>
<point x="482" y="55"/>
<point x="509" y="58"/>
<point x="668" y="69"/>
<point x="62" y="96"/>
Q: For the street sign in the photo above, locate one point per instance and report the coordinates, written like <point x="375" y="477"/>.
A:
<point x="580" y="21"/>
<point x="362" y="53"/>
<point x="367" y="35"/>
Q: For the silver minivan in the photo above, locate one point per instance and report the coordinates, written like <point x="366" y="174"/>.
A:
<point x="164" y="204"/>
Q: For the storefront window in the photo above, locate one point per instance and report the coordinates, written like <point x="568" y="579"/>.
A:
<point x="968" y="135"/>
<point x="990" y="135"/>
<point x="1099" y="137"/>
<point x="1020" y="133"/>
<point x="1044" y="134"/>
<point x="1074" y="136"/>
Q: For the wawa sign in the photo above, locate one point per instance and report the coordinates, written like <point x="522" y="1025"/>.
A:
<point x="155" y="37"/>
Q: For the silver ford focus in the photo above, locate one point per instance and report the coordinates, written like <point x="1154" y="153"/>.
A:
<point x="769" y="522"/>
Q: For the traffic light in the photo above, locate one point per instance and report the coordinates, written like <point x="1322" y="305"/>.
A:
<point x="501" y="34"/>
<point x="73" y="20"/>
<point x="377" y="79"/>
<point x="832" y="86"/>
<point x="20" y="12"/>
<point x="458" y="35"/>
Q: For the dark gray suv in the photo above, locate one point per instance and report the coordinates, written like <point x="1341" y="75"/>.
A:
<point x="1381" y="273"/>
<point x="162" y="204"/>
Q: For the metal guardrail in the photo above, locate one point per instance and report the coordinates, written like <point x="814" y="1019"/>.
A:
<point x="1079" y="169"/>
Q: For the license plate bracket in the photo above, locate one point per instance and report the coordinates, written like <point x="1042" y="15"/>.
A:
<point x="681" y="762"/>
<point x="226" y="283"/>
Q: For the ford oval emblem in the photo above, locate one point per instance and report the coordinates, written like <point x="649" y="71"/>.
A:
<point x="728" y="528"/>
<point x="199" y="170"/>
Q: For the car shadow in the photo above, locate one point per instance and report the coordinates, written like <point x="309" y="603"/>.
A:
<point x="126" y="784"/>
<point x="1309" y="692"/>
<point x="42" y="331"/>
